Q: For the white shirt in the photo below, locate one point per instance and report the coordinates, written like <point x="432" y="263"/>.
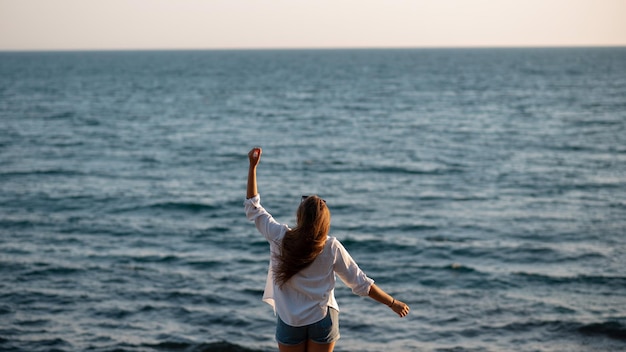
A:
<point x="304" y="299"/>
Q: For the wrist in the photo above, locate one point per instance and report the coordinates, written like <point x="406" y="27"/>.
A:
<point x="392" y="303"/>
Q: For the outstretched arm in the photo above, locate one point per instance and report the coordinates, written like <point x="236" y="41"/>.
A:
<point x="254" y="156"/>
<point x="349" y="272"/>
<point x="381" y="296"/>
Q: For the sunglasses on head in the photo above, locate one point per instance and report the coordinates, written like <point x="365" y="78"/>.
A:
<point x="305" y="197"/>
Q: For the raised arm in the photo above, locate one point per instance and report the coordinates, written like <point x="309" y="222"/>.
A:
<point x="254" y="156"/>
<point x="383" y="297"/>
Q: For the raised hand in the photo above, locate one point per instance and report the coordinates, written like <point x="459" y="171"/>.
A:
<point x="255" y="156"/>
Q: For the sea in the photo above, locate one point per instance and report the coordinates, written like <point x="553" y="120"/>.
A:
<point x="484" y="187"/>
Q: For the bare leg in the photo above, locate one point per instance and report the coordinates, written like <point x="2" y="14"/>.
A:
<point x="318" y="347"/>
<point x="296" y="348"/>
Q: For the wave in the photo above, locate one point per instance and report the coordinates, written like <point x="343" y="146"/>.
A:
<point x="42" y="172"/>
<point x="58" y="344"/>
<point x="155" y="258"/>
<point x="60" y="115"/>
<point x="522" y="253"/>
<point x="376" y="230"/>
<point x="219" y="346"/>
<point x="552" y="330"/>
<point x="333" y="166"/>
<point x="413" y="171"/>
<point x="204" y="264"/>
<point x="616" y="282"/>
<point x="612" y="329"/>
<point x="376" y="246"/>
<point x="54" y="271"/>
<point x="183" y="206"/>
<point x="193" y="207"/>
<point x="443" y="239"/>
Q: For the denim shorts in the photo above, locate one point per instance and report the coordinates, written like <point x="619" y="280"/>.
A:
<point x="323" y="332"/>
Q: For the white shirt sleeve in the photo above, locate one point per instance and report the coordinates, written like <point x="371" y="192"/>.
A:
<point x="349" y="272"/>
<point x="265" y="223"/>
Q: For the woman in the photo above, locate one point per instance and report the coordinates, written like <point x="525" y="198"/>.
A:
<point x="301" y="279"/>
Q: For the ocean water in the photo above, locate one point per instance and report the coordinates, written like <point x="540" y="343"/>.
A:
<point x="484" y="187"/>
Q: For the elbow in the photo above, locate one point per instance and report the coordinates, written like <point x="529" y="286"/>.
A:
<point x="363" y="290"/>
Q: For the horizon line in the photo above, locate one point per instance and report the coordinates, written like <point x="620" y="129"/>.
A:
<point x="304" y="48"/>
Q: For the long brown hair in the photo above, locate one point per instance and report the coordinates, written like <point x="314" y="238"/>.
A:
<point x="302" y="244"/>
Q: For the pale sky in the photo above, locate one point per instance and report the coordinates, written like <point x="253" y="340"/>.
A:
<point x="237" y="24"/>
